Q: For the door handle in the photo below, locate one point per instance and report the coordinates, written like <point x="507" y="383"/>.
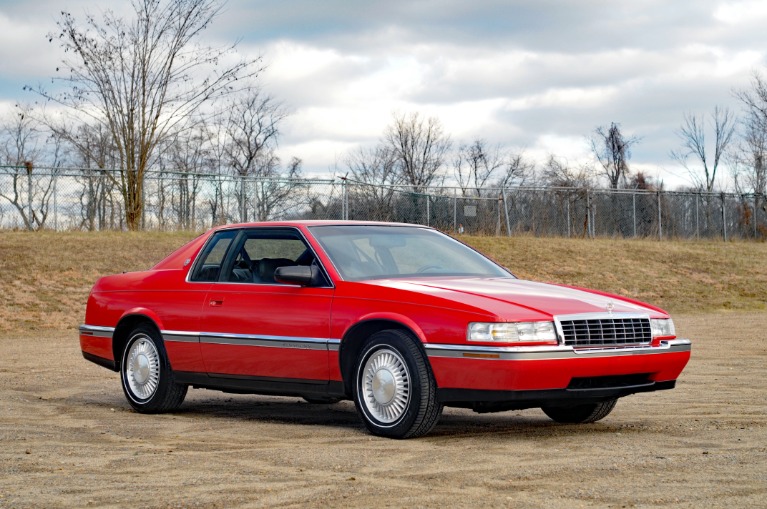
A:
<point x="216" y="302"/>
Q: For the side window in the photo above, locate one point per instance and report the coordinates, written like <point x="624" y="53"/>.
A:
<point x="209" y="264"/>
<point x="262" y="252"/>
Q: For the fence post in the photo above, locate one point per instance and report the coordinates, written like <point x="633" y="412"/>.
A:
<point x="259" y="192"/>
<point x="143" y="203"/>
<point x="634" y="200"/>
<point x="55" y="200"/>
<point x="756" y="212"/>
<point x="506" y="210"/>
<point x="588" y="213"/>
<point x="660" y="220"/>
<point x="697" y="216"/>
<point x="724" y="220"/>
<point x="455" y="210"/>
<point x="568" y="217"/>
<point x="243" y="201"/>
<point x="344" y="200"/>
<point x="428" y="207"/>
<point x="30" y="206"/>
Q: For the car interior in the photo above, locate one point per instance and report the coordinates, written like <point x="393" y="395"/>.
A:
<point x="258" y="257"/>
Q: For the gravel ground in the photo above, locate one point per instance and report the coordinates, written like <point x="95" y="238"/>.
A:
<point x="69" y="439"/>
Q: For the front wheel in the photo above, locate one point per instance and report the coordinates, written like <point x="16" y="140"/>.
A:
<point x="147" y="380"/>
<point x="394" y="389"/>
<point x="580" y="414"/>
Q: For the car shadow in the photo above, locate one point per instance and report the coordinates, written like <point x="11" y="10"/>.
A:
<point x="454" y="423"/>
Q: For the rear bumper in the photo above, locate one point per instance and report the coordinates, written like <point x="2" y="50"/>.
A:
<point x="96" y="345"/>
<point x="499" y="372"/>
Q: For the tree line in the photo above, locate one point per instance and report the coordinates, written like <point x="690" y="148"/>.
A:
<point x="144" y="92"/>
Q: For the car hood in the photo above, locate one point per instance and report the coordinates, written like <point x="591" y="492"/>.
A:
<point x="506" y="297"/>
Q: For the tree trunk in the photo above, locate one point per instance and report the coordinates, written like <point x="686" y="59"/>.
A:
<point x="133" y="204"/>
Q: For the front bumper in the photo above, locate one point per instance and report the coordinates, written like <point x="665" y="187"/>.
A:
<point x="554" y="368"/>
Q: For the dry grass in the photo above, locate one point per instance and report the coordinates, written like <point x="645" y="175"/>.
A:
<point x="45" y="277"/>
<point x="680" y="276"/>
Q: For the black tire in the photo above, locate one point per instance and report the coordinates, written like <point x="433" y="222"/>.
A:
<point x="580" y="414"/>
<point x="146" y="376"/>
<point x="394" y="388"/>
<point x="321" y="400"/>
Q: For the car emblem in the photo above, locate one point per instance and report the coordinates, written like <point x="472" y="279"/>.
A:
<point x="610" y="307"/>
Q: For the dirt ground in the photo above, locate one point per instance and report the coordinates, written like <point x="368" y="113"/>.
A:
<point x="69" y="439"/>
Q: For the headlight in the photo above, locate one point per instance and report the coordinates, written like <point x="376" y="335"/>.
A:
<point x="662" y="327"/>
<point x="532" y="332"/>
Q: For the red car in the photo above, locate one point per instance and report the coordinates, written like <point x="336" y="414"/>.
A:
<point x="400" y="318"/>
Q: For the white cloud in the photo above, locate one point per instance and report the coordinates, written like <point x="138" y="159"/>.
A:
<point x="740" y="13"/>
<point x="25" y="50"/>
<point x="528" y="74"/>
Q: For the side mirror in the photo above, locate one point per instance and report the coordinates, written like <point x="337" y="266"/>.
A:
<point x="303" y="275"/>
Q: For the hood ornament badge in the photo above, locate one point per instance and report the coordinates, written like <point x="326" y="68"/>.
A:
<point x="610" y="307"/>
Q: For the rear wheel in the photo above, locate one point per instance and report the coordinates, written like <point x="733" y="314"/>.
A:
<point x="147" y="380"/>
<point x="591" y="412"/>
<point x="394" y="389"/>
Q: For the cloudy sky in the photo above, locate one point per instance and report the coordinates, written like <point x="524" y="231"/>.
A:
<point x="535" y="76"/>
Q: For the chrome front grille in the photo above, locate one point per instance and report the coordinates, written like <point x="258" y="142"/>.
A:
<point x="605" y="331"/>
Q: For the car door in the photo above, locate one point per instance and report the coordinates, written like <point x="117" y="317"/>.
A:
<point x="180" y="306"/>
<point x="255" y="327"/>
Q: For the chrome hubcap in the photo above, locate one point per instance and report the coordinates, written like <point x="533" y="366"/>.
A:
<point x="142" y="372"/>
<point x="385" y="386"/>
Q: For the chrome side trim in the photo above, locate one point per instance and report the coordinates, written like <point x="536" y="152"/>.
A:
<point x="523" y="353"/>
<point x="265" y="341"/>
<point x="220" y="338"/>
<point x="97" y="331"/>
<point x="180" y="336"/>
<point x="172" y="336"/>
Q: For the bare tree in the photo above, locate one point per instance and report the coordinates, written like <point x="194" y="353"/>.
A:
<point x="751" y="157"/>
<point x="277" y="196"/>
<point x="640" y="180"/>
<point x="142" y="78"/>
<point x="693" y="136"/>
<point x="218" y="165"/>
<point x="612" y="150"/>
<point x="574" y="196"/>
<point x="376" y="166"/>
<point x="558" y="173"/>
<point x="252" y="132"/>
<point x="420" y="147"/>
<point x="22" y="141"/>
<point x="188" y="154"/>
<point x="374" y="171"/>
<point x="93" y="151"/>
<point x="475" y="165"/>
<point x="478" y="167"/>
<point x="517" y="171"/>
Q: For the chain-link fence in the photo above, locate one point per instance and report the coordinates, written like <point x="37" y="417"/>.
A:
<point x="87" y="199"/>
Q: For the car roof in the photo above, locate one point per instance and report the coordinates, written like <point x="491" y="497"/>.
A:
<point x="323" y="222"/>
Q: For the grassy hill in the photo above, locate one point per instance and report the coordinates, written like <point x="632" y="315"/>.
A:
<point x="45" y="277"/>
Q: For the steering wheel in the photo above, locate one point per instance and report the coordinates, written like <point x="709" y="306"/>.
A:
<point x="427" y="268"/>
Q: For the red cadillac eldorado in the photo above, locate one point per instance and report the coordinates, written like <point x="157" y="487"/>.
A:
<point x="402" y="319"/>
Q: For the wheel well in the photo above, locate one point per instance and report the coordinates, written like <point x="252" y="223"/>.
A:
<point x="353" y="342"/>
<point x="123" y="330"/>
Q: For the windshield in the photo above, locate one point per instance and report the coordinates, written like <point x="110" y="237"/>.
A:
<point x="362" y="252"/>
